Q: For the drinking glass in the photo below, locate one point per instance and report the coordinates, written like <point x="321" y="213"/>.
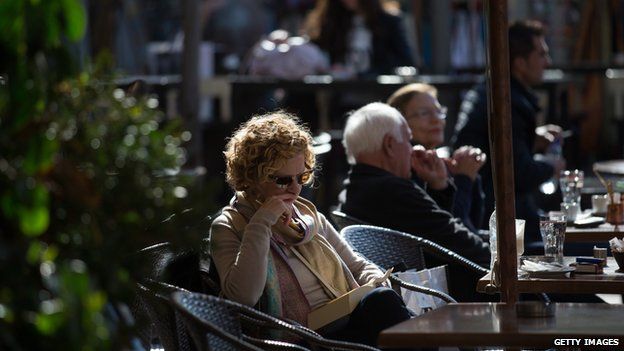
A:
<point x="571" y="210"/>
<point x="599" y="204"/>
<point x="520" y="223"/>
<point x="552" y="228"/>
<point x="571" y="183"/>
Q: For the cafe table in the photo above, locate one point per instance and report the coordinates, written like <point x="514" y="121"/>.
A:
<point x="602" y="233"/>
<point x="497" y="324"/>
<point x="610" y="282"/>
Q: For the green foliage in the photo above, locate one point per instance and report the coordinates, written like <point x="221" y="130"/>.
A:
<point x="83" y="183"/>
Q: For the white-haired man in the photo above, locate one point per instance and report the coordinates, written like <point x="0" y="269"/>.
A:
<point x="379" y="189"/>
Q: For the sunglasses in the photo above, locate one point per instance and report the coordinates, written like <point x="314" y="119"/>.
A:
<point x="285" y="181"/>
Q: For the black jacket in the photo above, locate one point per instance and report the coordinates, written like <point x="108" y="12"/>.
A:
<point x="391" y="48"/>
<point x="472" y="129"/>
<point x="381" y="198"/>
<point x="463" y="198"/>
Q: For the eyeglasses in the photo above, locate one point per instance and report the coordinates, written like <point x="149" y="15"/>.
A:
<point x="285" y="181"/>
<point x="439" y="113"/>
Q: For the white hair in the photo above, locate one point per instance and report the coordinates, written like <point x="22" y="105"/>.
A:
<point x="367" y="126"/>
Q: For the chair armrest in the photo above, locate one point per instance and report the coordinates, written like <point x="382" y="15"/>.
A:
<point x="250" y="318"/>
<point x="421" y="289"/>
<point x="299" y="325"/>
<point x="273" y="344"/>
<point x="484" y="234"/>
<point x="197" y="334"/>
<point x="451" y="256"/>
<point x="310" y="336"/>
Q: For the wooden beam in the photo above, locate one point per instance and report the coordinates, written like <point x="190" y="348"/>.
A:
<point x="499" y="119"/>
<point x="190" y="78"/>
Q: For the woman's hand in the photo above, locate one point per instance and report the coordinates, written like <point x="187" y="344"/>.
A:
<point x="429" y="167"/>
<point x="280" y="206"/>
<point x="466" y="160"/>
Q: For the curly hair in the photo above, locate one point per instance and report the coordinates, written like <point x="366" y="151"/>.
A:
<point x="262" y="145"/>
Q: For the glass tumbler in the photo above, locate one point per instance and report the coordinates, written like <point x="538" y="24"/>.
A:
<point x="552" y="229"/>
<point x="571" y="183"/>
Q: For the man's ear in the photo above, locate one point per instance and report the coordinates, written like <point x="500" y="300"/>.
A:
<point x="518" y="65"/>
<point x="388" y="144"/>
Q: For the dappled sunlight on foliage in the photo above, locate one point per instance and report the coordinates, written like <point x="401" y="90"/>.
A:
<point x="88" y="173"/>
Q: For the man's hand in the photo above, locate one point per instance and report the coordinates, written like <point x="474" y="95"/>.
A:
<point x="429" y="167"/>
<point x="545" y="135"/>
<point x="466" y="160"/>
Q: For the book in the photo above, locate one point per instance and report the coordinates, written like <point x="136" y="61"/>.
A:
<point x="599" y="261"/>
<point x="342" y="306"/>
<point x="587" y="268"/>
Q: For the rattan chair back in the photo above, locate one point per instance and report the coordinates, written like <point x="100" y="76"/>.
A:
<point x="220" y="324"/>
<point x="166" y="325"/>
<point x="342" y="220"/>
<point x="213" y="325"/>
<point x="385" y="247"/>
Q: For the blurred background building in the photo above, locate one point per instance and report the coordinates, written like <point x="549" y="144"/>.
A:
<point x="582" y="92"/>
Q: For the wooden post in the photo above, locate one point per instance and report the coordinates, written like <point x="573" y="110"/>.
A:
<point x="499" y="118"/>
<point x="190" y="78"/>
<point x="441" y="37"/>
<point x="418" y="27"/>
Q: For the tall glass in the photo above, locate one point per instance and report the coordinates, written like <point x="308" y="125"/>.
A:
<point x="571" y="183"/>
<point x="553" y="229"/>
<point x="520" y="223"/>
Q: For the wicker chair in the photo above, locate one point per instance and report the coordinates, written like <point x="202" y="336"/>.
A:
<point x="388" y="248"/>
<point x="188" y="267"/>
<point x="140" y="319"/>
<point x="217" y="324"/>
<point x="396" y="246"/>
<point x="341" y="219"/>
<point x="391" y="248"/>
<point x="166" y="325"/>
<point x="159" y="270"/>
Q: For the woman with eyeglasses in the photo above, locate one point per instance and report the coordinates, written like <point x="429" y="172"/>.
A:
<point x="427" y="118"/>
<point x="274" y="250"/>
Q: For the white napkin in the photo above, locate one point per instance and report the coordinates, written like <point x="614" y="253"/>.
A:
<point x="530" y="266"/>
<point x="617" y="245"/>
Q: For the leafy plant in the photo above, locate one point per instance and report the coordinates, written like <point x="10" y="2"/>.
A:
<point x="83" y="183"/>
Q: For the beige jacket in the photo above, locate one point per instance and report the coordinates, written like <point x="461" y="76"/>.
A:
<point x="242" y="263"/>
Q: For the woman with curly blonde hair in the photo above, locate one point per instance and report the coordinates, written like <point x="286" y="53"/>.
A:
<point x="274" y="250"/>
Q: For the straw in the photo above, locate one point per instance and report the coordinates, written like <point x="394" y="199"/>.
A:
<point x="607" y="184"/>
<point x="604" y="183"/>
<point x="610" y="191"/>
